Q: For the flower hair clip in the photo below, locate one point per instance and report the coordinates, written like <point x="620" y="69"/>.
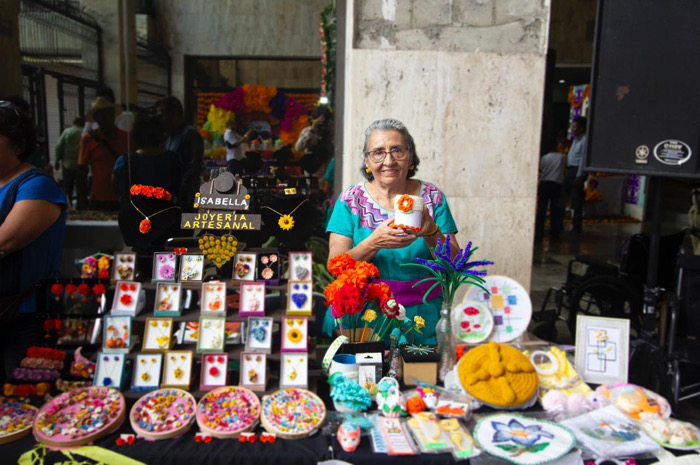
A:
<point x="203" y="437"/>
<point x="125" y="439"/>
<point x="248" y="437"/>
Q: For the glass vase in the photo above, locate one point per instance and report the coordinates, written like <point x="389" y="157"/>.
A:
<point x="443" y="333"/>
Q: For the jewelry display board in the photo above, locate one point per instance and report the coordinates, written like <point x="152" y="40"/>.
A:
<point x="158" y="334"/>
<point x="177" y="369"/>
<point x="168" y="300"/>
<point x="252" y="299"/>
<point x="110" y="370"/>
<point x="147" y="369"/>
<point x="213" y="300"/>
<point x="164" y="267"/>
<point x="214" y="371"/>
<point x="211" y="334"/>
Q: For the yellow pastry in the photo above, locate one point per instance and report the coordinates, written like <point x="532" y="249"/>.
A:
<point x="498" y="375"/>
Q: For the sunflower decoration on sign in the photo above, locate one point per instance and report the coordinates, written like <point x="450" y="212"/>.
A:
<point x="218" y="250"/>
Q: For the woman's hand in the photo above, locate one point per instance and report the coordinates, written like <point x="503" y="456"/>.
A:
<point x="389" y="237"/>
<point x="428" y="225"/>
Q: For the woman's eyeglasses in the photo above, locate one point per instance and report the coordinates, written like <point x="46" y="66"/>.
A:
<point x="10" y="105"/>
<point x="398" y="153"/>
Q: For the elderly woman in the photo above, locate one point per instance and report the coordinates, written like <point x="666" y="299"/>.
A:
<point x="361" y="223"/>
<point x="32" y="228"/>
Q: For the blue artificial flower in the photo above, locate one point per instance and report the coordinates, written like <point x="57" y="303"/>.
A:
<point x="519" y="433"/>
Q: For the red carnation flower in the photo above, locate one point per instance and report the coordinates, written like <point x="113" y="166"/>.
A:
<point x="98" y="289"/>
<point x="83" y="289"/>
<point x="71" y="288"/>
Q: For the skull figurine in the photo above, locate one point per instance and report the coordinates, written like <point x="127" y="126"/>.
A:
<point x="349" y="436"/>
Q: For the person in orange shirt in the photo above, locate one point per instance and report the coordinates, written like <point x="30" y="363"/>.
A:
<point x="99" y="150"/>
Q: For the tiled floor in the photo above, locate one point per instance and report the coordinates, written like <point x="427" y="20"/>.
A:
<point x="604" y="242"/>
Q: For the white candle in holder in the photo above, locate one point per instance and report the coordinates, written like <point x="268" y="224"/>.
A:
<point x="408" y="211"/>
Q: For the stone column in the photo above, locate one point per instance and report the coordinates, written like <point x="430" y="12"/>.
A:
<point x="11" y="76"/>
<point x="466" y="77"/>
<point x="118" y="23"/>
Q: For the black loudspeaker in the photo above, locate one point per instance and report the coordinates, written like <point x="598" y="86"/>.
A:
<point x="645" y="106"/>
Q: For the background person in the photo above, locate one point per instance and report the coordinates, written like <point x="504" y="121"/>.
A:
<point x="67" y="149"/>
<point x="183" y="140"/>
<point x="550" y="192"/>
<point x="575" y="176"/>
<point x="361" y="221"/>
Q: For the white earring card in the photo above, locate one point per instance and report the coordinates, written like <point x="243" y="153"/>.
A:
<point x="129" y="298"/>
<point x="300" y="298"/>
<point x="211" y="334"/>
<point x="168" y="300"/>
<point x="244" y="267"/>
<point x="294" y="371"/>
<point x="177" y="369"/>
<point x="214" y="371"/>
<point x="259" y="337"/>
<point x="164" y="267"/>
<point x="252" y="299"/>
<point x="124" y="267"/>
<point x="147" y="370"/>
<point x="109" y="371"/>
<point x="301" y="266"/>
<point x="116" y="336"/>
<point x="213" y="300"/>
<point x="192" y="267"/>
<point x="158" y="335"/>
<point x="295" y="334"/>
<point x="253" y="371"/>
<point x="268" y="265"/>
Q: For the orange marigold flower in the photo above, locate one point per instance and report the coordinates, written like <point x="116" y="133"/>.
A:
<point x="405" y="203"/>
<point x="366" y="269"/>
<point x="340" y="263"/>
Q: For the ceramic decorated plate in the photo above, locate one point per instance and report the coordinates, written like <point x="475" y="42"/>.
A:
<point x="639" y="403"/>
<point x="79" y="417"/>
<point x="672" y="434"/>
<point x="332" y="350"/>
<point x="472" y="322"/>
<point x="16" y="419"/>
<point x="509" y="303"/>
<point x="163" y="414"/>
<point x="523" y="440"/>
<point x="292" y="413"/>
<point x="228" y="411"/>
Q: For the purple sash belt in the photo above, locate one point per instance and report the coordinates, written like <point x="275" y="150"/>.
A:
<point x="407" y="295"/>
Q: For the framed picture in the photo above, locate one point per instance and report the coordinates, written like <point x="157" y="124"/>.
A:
<point x="244" y="266"/>
<point x="268" y="265"/>
<point x="213" y="298"/>
<point x="124" y="266"/>
<point x="211" y="334"/>
<point x="147" y="368"/>
<point x="253" y="371"/>
<point x="294" y="371"/>
<point x="168" y="300"/>
<point x="157" y="335"/>
<point x="295" y="334"/>
<point x="299" y="298"/>
<point x="164" y="267"/>
<point x="259" y="337"/>
<point x="116" y="334"/>
<point x="301" y="266"/>
<point x="177" y="369"/>
<point x="192" y="267"/>
<point x="602" y="349"/>
<point x="109" y="371"/>
<point x="128" y="299"/>
<point x="214" y="371"/>
<point x="252" y="299"/>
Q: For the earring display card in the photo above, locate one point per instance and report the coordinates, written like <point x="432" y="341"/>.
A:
<point x="295" y="334"/>
<point x="164" y="267"/>
<point x="191" y="267"/>
<point x="214" y="371"/>
<point x="299" y="298"/>
<point x="110" y="370"/>
<point x="252" y="300"/>
<point x="268" y="267"/>
<point x="168" y="299"/>
<point x="211" y="334"/>
<point x="124" y="267"/>
<point x="301" y="266"/>
<point x="116" y="336"/>
<point x="244" y="267"/>
<point x="157" y="335"/>
<point x="213" y="298"/>
<point x="147" y="372"/>
<point x="177" y="369"/>
<point x="253" y="371"/>
<point x="128" y="299"/>
<point x="294" y="371"/>
<point x="259" y="335"/>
